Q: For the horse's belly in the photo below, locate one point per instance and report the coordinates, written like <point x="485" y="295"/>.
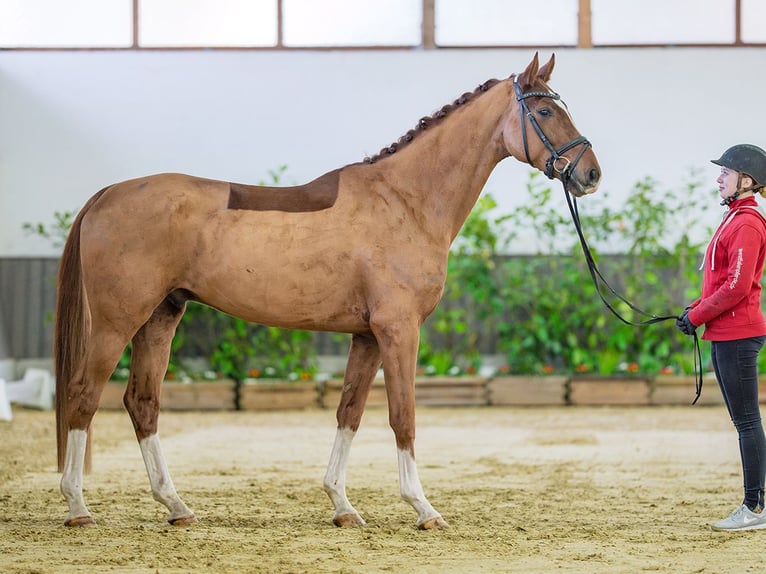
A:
<point x="289" y="298"/>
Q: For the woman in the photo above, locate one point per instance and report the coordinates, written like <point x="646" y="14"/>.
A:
<point x="731" y="312"/>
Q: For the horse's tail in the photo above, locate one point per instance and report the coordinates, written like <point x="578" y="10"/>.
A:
<point x="71" y="329"/>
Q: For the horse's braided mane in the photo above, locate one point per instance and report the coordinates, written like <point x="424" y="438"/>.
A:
<point x="433" y="120"/>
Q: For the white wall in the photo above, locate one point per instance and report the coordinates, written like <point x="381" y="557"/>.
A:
<point x="73" y="122"/>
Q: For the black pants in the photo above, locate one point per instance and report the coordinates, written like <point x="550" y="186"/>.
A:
<point x="736" y="368"/>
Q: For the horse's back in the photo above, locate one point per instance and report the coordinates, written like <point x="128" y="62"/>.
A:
<point x="147" y="237"/>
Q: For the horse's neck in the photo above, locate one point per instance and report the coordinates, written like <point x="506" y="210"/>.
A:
<point x="442" y="172"/>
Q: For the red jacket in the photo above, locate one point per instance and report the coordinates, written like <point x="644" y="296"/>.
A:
<point x="730" y="306"/>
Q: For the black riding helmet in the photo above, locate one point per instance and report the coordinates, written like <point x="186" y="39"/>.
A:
<point x="747" y="159"/>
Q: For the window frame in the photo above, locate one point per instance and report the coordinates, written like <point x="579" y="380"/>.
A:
<point x="427" y="38"/>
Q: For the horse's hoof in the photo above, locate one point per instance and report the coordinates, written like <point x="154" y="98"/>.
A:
<point x="80" y="521"/>
<point x="183" y="520"/>
<point x="435" y="523"/>
<point x="348" y="520"/>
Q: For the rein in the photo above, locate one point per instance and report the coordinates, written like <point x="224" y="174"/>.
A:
<point x="599" y="281"/>
<point x="552" y="166"/>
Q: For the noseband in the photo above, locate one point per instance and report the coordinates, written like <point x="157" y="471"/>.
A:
<point x="556" y="163"/>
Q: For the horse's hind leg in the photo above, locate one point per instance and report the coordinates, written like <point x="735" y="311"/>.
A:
<point x="363" y="364"/>
<point x="149" y="361"/>
<point x="83" y="392"/>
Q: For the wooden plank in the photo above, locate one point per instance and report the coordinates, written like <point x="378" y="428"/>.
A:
<point x="608" y="391"/>
<point x="584" y="33"/>
<point x="428" y="36"/>
<point x="528" y="390"/>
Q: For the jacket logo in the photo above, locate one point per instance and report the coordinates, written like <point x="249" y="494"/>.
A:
<point x="737" y="269"/>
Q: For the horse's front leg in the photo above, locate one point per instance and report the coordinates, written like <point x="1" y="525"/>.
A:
<point x="149" y="359"/>
<point x="363" y="363"/>
<point x="163" y="489"/>
<point x="399" y="346"/>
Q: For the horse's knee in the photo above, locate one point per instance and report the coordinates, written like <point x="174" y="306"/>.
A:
<point x="144" y="412"/>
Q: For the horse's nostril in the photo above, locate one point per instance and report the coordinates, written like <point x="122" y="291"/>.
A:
<point x="593" y="175"/>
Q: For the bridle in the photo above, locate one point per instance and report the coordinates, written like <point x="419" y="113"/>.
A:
<point x="556" y="163"/>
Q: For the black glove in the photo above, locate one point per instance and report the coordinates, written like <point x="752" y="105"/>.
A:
<point x="684" y="324"/>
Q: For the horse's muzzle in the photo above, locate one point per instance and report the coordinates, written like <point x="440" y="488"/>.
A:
<point x="585" y="181"/>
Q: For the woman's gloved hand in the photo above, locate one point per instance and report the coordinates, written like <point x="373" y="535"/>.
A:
<point x="684" y="324"/>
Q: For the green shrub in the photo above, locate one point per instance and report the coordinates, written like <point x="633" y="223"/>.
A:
<point x="555" y="320"/>
<point x="544" y="308"/>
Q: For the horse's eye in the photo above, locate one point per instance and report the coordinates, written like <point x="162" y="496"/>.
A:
<point x="545" y="112"/>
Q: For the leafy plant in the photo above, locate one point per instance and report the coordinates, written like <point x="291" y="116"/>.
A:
<point x="449" y="344"/>
<point x="554" y="315"/>
<point x="55" y="232"/>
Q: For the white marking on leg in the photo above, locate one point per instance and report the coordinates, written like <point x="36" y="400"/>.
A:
<point x="411" y="489"/>
<point x="71" y="479"/>
<point x="335" y="477"/>
<point x="163" y="489"/>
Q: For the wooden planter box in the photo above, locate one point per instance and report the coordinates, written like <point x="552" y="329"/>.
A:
<point x="607" y="390"/>
<point x="111" y="397"/>
<point x="332" y="390"/>
<point x="524" y="390"/>
<point x="176" y="396"/>
<point x="198" y="396"/>
<point x="259" y="395"/>
<point x="451" y="391"/>
<point x="433" y="391"/>
<point x="681" y="390"/>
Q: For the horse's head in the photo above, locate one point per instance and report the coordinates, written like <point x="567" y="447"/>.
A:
<point x="542" y="133"/>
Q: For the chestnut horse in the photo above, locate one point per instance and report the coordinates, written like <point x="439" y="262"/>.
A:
<point x="362" y="250"/>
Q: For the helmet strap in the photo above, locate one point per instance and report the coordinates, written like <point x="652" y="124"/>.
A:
<point x="731" y="199"/>
<point x="740" y="190"/>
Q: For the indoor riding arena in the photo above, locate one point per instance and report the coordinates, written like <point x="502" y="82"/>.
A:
<point x="525" y="489"/>
<point x="291" y="286"/>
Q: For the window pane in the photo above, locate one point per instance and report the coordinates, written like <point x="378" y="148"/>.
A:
<point x="70" y="24"/>
<point x="753" y="28"/>
<point x="506" y="22"/>
<point x="175" y="23"/>
<point x="663" y="21"/>
<point x="352" y="22"/>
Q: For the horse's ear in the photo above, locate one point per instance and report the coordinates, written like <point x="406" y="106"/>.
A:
<point x="545" y="72"/>
<point x="527" y="77"/>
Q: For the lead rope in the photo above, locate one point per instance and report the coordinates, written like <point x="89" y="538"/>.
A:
<point x="598" y="281"/>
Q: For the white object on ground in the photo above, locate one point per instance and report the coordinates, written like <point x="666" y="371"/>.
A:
<point x="35" y="390"/>
<point x="5" y="404"/>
